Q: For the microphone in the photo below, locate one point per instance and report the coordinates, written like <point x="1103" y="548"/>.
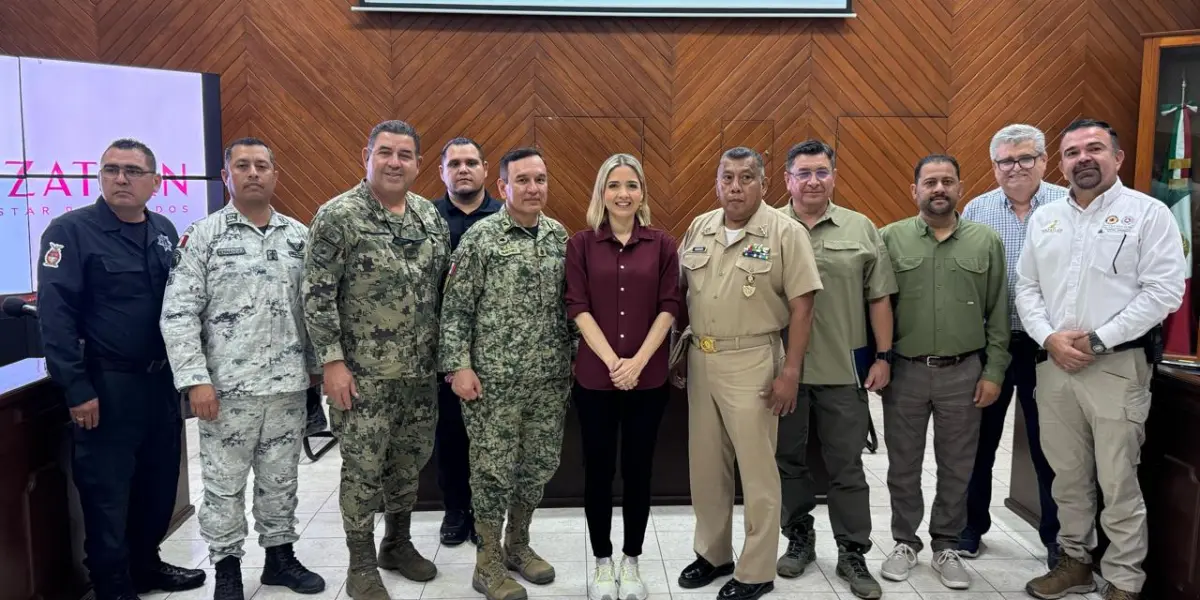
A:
<point x="16" y="308"/>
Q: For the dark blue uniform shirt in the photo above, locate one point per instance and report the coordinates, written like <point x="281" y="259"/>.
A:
<point x="100" y="292"/>
<point x="460" y="221"/>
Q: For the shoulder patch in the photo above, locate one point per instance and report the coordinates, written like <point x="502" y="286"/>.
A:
<point x="53" y="256"/>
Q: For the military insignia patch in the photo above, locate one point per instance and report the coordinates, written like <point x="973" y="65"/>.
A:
<point x="323" y="251"/>
<point x="53" y="256"/>
<point x="296" y="245"/>
<point x="164" y="242"/>
<point x="176" y="258"/>
<point x="183" y="241"/>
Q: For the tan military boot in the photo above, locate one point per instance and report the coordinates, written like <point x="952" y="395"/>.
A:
<point x="397" y="553"/>
<point x="490" y="577"/>
<point x="518" y="556"/>
<point x="1112" y="592"/>
<point x="362" y="578"/>
<point x="1070" y="576"/>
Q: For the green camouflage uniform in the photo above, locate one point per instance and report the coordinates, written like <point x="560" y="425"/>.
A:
<point x="370" y="293"/>
<point x="504" y="315"/>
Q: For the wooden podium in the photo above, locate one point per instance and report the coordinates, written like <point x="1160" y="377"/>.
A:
<point x="41" y="526"/>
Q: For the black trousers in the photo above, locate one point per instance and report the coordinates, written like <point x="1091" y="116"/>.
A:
<point x="842" y="417"/>
<point x="1022" y="377"/>
<point x="127" y="473"/>
<point x="451" y="445"/>
<point x="633" y="416"/>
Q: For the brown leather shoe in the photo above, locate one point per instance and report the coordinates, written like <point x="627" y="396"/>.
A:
<point x="1069" y="577"/>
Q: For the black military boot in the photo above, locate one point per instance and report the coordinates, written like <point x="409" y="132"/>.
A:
<point x="229" y="580"/>
<point x="282" y="568"/>
<point x="801" y="552"/>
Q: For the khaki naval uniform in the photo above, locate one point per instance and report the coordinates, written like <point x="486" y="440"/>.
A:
<point x="737" y="299"/>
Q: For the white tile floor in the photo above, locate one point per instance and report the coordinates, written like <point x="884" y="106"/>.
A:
<point x="1014" y="553"/>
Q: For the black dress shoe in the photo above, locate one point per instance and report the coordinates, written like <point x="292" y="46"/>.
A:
<point x="168" y="578"/>
<point x="736" y="590"/>
<point x="457" y="527"/>
<point x="701" y="573"/>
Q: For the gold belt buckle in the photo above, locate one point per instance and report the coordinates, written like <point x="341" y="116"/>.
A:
<point x="707" y="344"/>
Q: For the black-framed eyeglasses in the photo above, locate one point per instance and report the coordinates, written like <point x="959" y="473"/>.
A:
<point x="1026" y="162"/>
<point x="131" y="172"/>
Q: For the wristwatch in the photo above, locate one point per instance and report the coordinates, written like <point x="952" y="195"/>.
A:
<point x="1098" y="346"/>
<point x="887" y="356"/>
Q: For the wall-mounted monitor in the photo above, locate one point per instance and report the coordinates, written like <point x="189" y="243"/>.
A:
<point x="623" y="8"/>
<point x="56" y="119"/>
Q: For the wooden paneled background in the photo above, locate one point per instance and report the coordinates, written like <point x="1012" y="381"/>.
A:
<point x="904" y="78"/>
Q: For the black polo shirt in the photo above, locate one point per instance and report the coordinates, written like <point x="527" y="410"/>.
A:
<point x="460" y="221"/>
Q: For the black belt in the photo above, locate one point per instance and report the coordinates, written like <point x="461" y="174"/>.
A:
<point x="129" y="366"/>
<point x="1138" y="344"/>
<point x="938" y="362"/>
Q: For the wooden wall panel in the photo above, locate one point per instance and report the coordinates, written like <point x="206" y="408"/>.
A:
<point x="574" y="148"/>
<point x="1020" y="62"/>
<point x="311" y="77"/>
<point x="876" y="156"/>
<point x="49" y="29"/>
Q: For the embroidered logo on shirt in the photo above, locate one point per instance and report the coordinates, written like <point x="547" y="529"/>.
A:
<point x="164" y="242"/>
<point x="1111" y="219"/>
<point x="1052" y="227"/>
<point x="53" y="256"/>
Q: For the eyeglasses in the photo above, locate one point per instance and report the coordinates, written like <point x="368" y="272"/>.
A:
<point x="805" y="175"/>
<point x="1026" y="162"/>
<point x="131" y="172"/>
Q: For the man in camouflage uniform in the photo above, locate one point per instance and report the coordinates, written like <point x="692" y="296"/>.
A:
<point x="237" y="344"/>
<point x="507" y="343"/>
<point x="376" y="255"/>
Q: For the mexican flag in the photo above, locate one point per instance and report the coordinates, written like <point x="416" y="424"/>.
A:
<point x="1176" y="192"/>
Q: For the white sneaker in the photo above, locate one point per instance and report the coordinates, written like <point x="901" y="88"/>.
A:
<point x="604" y="582"/>
<point x="950" y="566"/>
<point x="632" y="587"/>
<point x="899" y="563"/>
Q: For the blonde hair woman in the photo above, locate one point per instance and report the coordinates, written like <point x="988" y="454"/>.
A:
<point x="623" y="293"/>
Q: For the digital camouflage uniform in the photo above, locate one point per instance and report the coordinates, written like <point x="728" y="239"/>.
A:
<point x="370" y="293"/>
<point x="504" y="315"/>
<point x="232" y="318"/>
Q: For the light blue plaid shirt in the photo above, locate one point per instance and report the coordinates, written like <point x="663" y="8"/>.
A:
<point x="994" y="210"/>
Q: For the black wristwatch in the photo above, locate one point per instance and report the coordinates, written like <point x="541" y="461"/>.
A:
<point x="887" y="356"/>
<point x="1098" y="346"/>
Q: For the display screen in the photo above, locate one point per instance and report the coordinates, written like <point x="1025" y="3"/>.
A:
<point x="56" y="119"/>
<point x="632" y="8"/>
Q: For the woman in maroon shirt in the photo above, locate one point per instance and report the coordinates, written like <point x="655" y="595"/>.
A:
<point x="623" y="293"/>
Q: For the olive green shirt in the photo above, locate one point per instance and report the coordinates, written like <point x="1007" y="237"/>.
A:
<point x="953" y="296"/>
<point x="855" y="268"/>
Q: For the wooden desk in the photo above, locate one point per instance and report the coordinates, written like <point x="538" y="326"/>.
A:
<point x="671" y="480"/>
<point x="41" y="525"/>
<point x="1169" y="479"/>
